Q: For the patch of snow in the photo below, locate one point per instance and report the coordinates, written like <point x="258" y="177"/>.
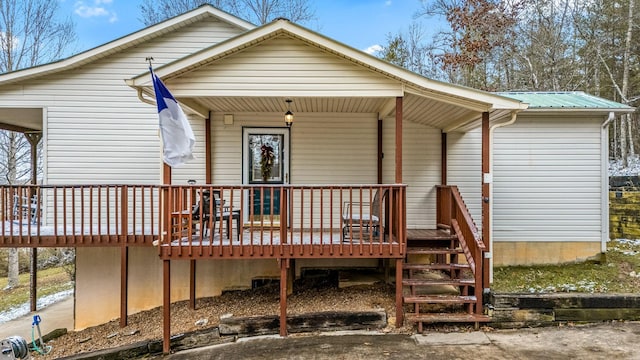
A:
<point x="630" y="242"/>
<point x="24" y="309"/>
<point x="581" y="286"/>
<point x="616" y="168"/>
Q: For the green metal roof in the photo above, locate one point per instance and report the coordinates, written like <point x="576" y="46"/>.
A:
<point x="565" y="100"/>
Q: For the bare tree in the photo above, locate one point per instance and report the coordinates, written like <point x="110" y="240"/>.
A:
<point x="154" y="11"/>
<point x="256" y="11"/>
<point x="627" y="150"/>
<point x="31" y="33"/>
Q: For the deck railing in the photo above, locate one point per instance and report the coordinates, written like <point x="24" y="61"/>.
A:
<point x="285" y="221"/>
<point x="453" y="213"/>
<point x="237" y="221"/>
<point x="79" y="215"/>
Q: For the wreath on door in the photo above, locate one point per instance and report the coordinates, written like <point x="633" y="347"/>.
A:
<point x="266" y="161"/>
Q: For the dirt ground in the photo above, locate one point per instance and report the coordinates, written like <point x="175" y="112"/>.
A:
<point x="309" y="296"/>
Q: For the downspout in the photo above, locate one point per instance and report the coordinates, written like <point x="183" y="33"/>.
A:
<point x="604" y="181"/>
<point x="514" y="115"/>
<point x="165" y="171"/>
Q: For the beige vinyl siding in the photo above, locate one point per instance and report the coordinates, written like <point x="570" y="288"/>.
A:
<point x="282" y="67"/>
<point x="464" y="169"/>
<point x="97" y="130"/>
<point x="194" y="169"/>
<point x="547" y="180"/>
<point x="420" y="169"/>
<point x="326" y="148"/>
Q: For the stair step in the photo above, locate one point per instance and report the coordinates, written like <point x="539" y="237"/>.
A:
<point x="432" y="282"/>
<point x="447" y="317"/>
<point x="435" y="266"/>
<point x="432" y="251"/>
<point x="439" y="299"/>
<point x="429" y="234"/>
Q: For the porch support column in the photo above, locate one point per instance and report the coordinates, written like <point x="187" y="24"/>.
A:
<point x="399" y="140"/>
<point x="33" y="138"/>
<point x="166" y="306"/>
<point x="166" y="272"/>
<point x="486" y="213"/>
<point x="207" y="149"/>
<point x="124" y="255"/>
<point x="443" y="158"/>
<point x="399" y="261"/>
<point x="380" y="151"/>
<point x="207" y="174"/>
<point x="284" y="266"/>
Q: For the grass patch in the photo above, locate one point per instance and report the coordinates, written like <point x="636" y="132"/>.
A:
<point x="50" y="281"/>
<point x="618" y="274"/>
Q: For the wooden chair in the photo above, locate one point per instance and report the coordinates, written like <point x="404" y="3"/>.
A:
<point x="363" y="217"/>
<point x="25" y="209"/>
<point x="223" y="214"/>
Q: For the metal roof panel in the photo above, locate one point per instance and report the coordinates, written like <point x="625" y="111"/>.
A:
<point x="564" y="100"/>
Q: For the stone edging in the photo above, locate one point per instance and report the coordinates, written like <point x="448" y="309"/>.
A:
<point x="530" y="310"/>
<point x="232" y="328"/>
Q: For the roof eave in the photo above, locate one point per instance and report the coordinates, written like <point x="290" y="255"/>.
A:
<point x="604" y="111"/>
<point x="122" y="43"/>
<point x="471" y="98"/>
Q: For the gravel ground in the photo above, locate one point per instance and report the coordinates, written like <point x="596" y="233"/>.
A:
<point x="310" y="296"/>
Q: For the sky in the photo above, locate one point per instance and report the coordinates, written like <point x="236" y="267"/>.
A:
<point x="362" y="24"/>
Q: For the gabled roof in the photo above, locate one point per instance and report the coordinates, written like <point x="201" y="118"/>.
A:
<point x="469" y="98"/>
<point x="125" y="42"/>
<point x="567" y="101"/>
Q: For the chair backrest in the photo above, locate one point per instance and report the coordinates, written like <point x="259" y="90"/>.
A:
<point x="353" y="209"/>
<point x="377" y="201"/>
<point x="205" y="203"/>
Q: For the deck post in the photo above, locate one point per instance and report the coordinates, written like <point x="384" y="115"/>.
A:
<point x="284" y="265"/>
<point x="486" y="209"/>
<point x="192" y="284"/>
<point x="124" y="254"/>
<point x="124" y="284"/>
<point x="33" y="138"/>
<point x="399" y="310"/>
<point x="166" y="306"/>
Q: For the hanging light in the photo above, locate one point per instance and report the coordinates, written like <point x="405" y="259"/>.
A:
<point x="288" y="116"/>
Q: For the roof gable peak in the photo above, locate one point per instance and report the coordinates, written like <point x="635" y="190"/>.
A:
<point x="125" y="42"/>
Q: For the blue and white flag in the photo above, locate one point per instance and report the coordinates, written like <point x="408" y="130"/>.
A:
<point x="177" y="137"/>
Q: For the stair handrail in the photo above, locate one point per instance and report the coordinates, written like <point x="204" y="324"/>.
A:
<point x="452" y="212"/>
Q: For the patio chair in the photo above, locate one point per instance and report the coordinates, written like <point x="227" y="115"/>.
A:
<point x="26" y="209"/>
<point x="222" y="213"/>
<point x="362" y="216"/>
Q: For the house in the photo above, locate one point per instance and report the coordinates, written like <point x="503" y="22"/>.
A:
<point x="511" y="178"/>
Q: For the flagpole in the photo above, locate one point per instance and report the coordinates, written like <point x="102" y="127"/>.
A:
<point x="166" y="169"/>
<point x="166" y="275"/>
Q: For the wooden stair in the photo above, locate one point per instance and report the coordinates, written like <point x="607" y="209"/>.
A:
<point x="437" y="281"/>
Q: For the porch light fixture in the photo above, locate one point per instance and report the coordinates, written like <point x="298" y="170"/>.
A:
<point x="288" y="116"/>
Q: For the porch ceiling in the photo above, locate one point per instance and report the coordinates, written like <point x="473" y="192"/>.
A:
<point x="21" y="119"/>
<point x="416" y="108"/>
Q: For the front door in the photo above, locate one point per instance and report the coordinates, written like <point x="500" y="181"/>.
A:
<point x="265" y="161"/>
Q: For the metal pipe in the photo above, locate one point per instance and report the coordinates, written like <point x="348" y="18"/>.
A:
<point x="514" y="116"/>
